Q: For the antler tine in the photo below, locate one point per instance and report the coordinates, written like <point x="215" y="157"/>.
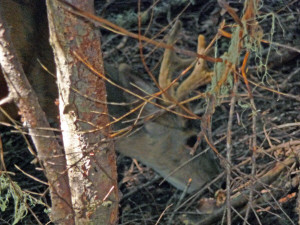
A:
<point x="201" y="75"/>
<point x="171" y="63"/>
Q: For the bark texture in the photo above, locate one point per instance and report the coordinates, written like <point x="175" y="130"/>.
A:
<point x="89" y="152"/>
<point x="49" y="152"/>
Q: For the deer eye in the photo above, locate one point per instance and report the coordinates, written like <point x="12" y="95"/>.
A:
<point x="191" y="141"/>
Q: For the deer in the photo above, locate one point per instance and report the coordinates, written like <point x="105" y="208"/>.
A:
<point x="162" y="141"/>
<point x="159" y="135"/>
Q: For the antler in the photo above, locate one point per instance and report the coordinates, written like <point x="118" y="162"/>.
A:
<point x="161" y="143"/>
<point x="171" y="63"/>
<point x="200" y="76"/>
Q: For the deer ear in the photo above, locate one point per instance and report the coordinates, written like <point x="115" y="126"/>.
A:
<point x="133" y="81"/>
<point x="124" y="72"/>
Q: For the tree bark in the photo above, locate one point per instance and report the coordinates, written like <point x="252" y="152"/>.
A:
<point x="89" y="152"/>
<point x="49" y="152"/>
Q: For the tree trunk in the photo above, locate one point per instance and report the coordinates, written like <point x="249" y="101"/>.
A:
<point x="49" y="152"/>
<point x="89" y="152"/>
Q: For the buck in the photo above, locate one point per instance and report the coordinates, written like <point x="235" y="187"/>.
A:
<point x="159" y="135"/>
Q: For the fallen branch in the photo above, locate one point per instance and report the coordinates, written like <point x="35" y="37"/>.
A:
<point x="241" y="198"/>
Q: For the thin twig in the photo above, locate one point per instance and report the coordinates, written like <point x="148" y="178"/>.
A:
<point x="32" y="177"/>
<point x="161" y="215"/>
<point x="254" y="154"/>
<point x="170" y="222"/>
<point x="229" y="150"/>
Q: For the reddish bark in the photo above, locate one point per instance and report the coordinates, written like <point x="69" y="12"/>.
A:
<point x="49" y="152"/>
<point x="89" y="152"/>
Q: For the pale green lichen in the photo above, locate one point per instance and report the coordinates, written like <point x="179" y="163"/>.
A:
<point x="11" y="191"/>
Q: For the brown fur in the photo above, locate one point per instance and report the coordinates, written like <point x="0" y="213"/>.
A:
<point x="160" y="144"/>
<point x="27" y="23"/>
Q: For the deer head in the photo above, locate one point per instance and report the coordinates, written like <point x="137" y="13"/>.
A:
<point x="159" y="136"/>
